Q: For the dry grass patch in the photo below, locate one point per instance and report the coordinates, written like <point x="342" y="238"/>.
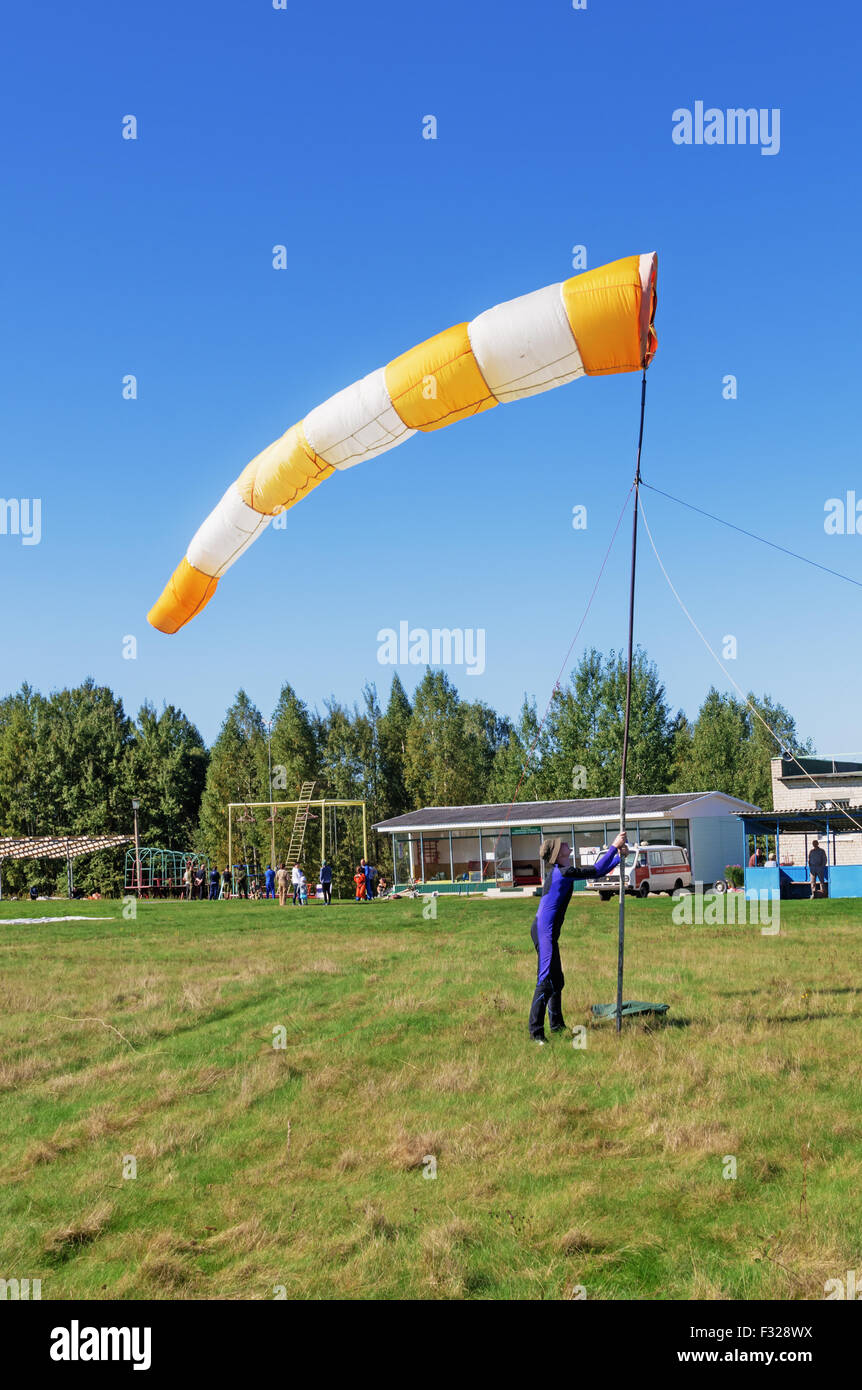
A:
<point x="576" y="1242"/>
<point x="64" y="1241"/>
<point x="324" y="967"/>
<point x="410" y="1151"/>
<point x="456" y="1077"/>
<point x="445" y="1249"/>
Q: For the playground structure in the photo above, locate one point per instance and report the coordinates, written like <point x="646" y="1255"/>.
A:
<point x="307" y="811"/>
<point x="161" y="870"/>
<point x="68" y="847"/>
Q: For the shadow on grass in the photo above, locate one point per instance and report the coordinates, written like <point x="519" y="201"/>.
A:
<point x="738" y="993"/>
<point x="799" y="1018"/>
<point x="644" y="1024"/>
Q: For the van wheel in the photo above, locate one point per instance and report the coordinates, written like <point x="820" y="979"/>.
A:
<point x="643" y="891"/>
<point x="720" y="885"/>
<point x="677" y="888"/>
<point x="605" y="897"/>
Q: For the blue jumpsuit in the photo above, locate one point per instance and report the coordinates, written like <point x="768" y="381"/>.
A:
<point x="545" y="934"/>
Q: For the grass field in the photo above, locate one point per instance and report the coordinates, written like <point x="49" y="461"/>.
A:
<point x="303" y="1168"/>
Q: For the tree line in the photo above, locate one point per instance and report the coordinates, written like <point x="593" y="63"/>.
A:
<point x="71" y="762"/>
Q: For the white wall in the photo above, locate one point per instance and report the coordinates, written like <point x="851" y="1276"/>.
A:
<point x="716" y="841"/>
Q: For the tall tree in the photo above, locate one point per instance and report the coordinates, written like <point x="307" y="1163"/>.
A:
<point x="166" y="770"/>
<point x="394" y="723"/>
<point x="520" y="767"/>
<point x="295" y="757"/>
<point x="450" y="745"/>
<point x="715" y="759"/>
<point x="586" y="729"/>
<point x="237" y="772"/>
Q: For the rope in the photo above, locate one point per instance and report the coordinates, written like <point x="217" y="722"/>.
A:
<point x="754" y="537"/>
<point x="717" y="659"/>
<point x="556" y="687"/>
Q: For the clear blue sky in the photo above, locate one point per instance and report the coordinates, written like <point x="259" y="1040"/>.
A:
<point x="304" y="127"/>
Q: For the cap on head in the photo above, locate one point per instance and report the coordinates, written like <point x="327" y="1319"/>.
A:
<point x="549" y="851"/>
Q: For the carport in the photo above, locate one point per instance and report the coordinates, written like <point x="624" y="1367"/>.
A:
<point x="843" y="880"/>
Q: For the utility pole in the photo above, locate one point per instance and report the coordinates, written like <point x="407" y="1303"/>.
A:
<point x="135" y="806"/>
<point x="272" y="808"/>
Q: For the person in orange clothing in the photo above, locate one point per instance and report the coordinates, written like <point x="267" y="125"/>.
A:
<point x="359" y="880"/>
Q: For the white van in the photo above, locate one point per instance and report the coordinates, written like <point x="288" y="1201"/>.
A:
<point x="648" y="869"/>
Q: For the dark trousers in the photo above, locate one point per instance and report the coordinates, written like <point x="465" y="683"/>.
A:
<point x="548" y="992"/>
<point x="213" y="892"/>
<point x="327" y="892"/>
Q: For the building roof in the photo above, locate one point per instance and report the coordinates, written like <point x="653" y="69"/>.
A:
<point x="523" y="813"/>
<point x="56" y="846"/>
<point x="842" y="822"/>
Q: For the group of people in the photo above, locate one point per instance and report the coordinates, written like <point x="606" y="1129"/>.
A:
<point x="278" y="883"/>
<point x="369" y="884"/>
<point x="202" y="884"/>
<point x="817" y="867"/>
<point x="214" y="884"/>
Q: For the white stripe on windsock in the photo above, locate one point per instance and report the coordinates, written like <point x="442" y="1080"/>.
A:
<point x="229" y="529"/>
<point x="526" y="345"/>
<point x="358" y="423"/>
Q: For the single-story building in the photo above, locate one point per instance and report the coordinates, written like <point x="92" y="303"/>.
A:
<point x="453" y="848"/>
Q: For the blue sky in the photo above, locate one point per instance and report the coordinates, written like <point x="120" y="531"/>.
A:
<point x="304" y="127"/>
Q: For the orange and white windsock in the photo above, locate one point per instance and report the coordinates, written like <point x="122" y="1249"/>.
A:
<point x="594" y="324"/>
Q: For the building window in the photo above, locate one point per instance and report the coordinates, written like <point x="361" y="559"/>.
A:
<point x="466" y="857"/>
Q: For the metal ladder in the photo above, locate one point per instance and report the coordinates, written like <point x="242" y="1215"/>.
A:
<point x="301" y="821"/>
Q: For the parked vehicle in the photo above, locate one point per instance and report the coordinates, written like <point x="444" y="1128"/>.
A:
<point x="648" y="869"/>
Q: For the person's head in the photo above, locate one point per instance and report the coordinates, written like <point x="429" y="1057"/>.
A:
<point x="555" y="851"/>
<point x="815" y="844"/>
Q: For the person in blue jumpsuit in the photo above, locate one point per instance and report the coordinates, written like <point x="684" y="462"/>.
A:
<point x="560" y="876"/>
<point x="269" y="891"/>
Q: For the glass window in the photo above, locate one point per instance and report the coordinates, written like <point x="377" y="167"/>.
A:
<point x="466" y="861"/>
<point x="435" y="858"/>
<point x="680" y="833"/>
<point x="588" y="843"/>
<point x="655" y="859"/>
<point x="654" y="832"/>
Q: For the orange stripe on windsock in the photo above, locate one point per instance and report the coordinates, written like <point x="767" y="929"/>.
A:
<point x="185" y="594"/>
<point x="603" y="309"/>
<point x="282" y="474"/>
<point x="438" y="382"/>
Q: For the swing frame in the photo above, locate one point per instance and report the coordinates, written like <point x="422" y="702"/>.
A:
<point x="323" y="803"/>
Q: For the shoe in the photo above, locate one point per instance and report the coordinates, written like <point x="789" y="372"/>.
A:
<point x="539" y="1041"/>
<point x="563" y="1028"/>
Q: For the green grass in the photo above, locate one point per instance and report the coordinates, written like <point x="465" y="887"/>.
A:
<point x="303" y="1167"/>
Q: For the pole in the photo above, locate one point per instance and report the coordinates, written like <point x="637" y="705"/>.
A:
<point x="622" y="921"/>
<point x="230" y="837"/>
<point x="272" y="808"/>
<point x="135" y="805"/>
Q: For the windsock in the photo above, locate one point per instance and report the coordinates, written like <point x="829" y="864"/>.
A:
<point x="595" y="324"/>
